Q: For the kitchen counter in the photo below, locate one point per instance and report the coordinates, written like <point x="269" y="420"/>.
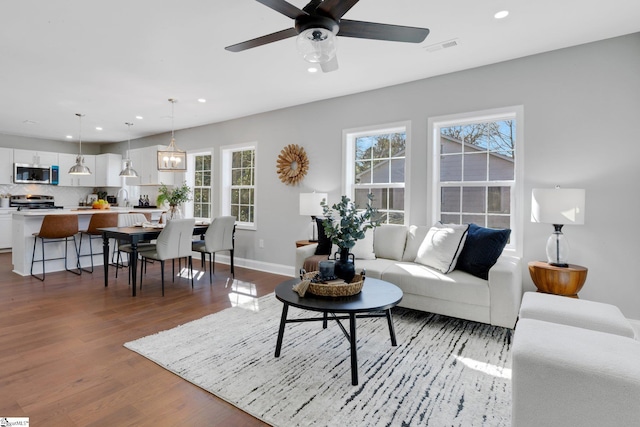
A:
<point x="26" y="223"/>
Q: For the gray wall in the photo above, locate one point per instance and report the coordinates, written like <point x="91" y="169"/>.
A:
<point x="580" y="110"/>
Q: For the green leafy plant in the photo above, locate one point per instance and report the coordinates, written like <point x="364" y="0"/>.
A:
<point x="175" y="195"/>
<point x="350" y="223"/>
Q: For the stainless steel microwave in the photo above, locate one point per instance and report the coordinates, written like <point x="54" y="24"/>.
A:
<point x="24" y="173"/>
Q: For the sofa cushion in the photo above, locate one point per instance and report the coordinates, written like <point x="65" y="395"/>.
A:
<point x="363" y="249"/>
<point x="421" y="280"/>
<point x="481" y="250"/>
<point x="389" y="241"/>
<point x="415" y="237"/>
<point x="593" y="315"/>
<point x="441" y="247"/>
<point x="374" y="267"/>
<point x="324" y="243"/>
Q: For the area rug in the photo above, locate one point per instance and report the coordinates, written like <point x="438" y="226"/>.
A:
<point x="443" y="372"/>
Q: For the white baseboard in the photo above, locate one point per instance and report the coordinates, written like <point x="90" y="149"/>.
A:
<point x="283" y="270"/>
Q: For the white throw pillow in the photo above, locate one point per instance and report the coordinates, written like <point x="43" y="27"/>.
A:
<point x="442" y="246"/>
<point x="389" y="240"/>
<point x="363" y="248"/>
<point x="415" y="237"/>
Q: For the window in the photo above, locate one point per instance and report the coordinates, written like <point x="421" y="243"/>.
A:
<point x="375" y="163"/>
<point x="202" y="185"/>
<point x="239" y="189"/>
<point x="475" y="170"/>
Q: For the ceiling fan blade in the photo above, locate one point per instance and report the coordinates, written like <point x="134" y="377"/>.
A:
<point x="329" y="66"/>
<point x="336" y="8"/>
<point x="269" y="38"/>
<point x="372" y="30"/>
<point x="283" y="7"/>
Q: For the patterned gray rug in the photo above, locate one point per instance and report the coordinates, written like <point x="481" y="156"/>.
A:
<point x="444" y="371"/>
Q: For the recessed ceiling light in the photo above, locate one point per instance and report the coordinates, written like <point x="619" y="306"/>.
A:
<point x="202" y="100"/>
<point x="139" y="117"/>
<point x="69" y="137"/>
<point x="502" y="14"/>
<point x="312" y="69"/>
<point x="98" y="128"/>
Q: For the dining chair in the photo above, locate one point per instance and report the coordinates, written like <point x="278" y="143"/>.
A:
<point x="56" y="228"/>
<point x="220" y="236"/>
<point x="98" y="220"/>
<point x="174" y="241"/>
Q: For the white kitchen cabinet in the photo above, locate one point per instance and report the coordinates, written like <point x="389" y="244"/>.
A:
<point x="108" y="168"/>
<point x="31" y="156"/>
<point x="146" y="164"/>
<point x="6" y="231"/>
<point x="66" y="161"/>
<point x="6" y="165"/>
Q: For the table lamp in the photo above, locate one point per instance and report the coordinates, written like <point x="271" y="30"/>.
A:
<point x="310" y="205"/>
<point x="557" y="206"/>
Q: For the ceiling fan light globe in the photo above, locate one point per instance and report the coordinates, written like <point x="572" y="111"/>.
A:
<point x="317" y="45"/>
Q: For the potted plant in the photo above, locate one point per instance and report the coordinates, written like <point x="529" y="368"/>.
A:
<point x="345" y="229"/>
<point x="174" y="196"/>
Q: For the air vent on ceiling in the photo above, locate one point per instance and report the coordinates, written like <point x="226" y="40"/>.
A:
<point x="442" y="45"/>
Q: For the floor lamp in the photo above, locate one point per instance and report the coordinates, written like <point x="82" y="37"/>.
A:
<point x="310" y="205"/>
<point x="557" y="206"/>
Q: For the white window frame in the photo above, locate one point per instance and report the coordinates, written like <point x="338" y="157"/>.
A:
<point x="349" y="137"/>
<point x="515" y="246"/>
<point x="190" y="178"/>
<point x="226" y="153"/>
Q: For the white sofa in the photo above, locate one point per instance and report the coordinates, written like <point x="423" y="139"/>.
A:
<point x="575" y="363"/>
<point x="495" y="301"/>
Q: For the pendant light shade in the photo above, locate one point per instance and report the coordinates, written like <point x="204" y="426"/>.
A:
<point x="128" y="170"/>
<point x="79" y="168"/>
<point x="172" y="159"/>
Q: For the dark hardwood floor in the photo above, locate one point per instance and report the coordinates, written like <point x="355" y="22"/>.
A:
<point x="62" y="360"/>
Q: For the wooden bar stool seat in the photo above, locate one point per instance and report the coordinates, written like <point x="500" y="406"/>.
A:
<point x="56" y="228"/>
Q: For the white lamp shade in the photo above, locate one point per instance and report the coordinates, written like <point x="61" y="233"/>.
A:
<point x="310" y="203"/>
<point x="557" y="205"/>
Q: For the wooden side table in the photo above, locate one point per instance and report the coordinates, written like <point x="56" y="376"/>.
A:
<point x="300" y="243"/>
<point x="565" y="281"/>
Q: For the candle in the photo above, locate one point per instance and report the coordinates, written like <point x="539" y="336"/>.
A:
<point x="326" y="269"/>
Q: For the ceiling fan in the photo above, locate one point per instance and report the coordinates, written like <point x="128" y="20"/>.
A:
<point x="317" y="24"/>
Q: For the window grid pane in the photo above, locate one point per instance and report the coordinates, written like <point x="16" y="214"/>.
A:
<point x="243" y="185"/>
<point x="379" y="168"/>
<point x="202" y="187"/>
<point x="475" y="156"/>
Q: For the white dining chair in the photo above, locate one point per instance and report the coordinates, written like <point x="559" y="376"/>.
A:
<point x="220" y="236"/>
<point x="174" y="242"/>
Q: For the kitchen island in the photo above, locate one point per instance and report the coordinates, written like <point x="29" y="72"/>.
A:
<point x="26" y="223"/>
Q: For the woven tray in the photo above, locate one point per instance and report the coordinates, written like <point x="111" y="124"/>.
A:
<point x="334" y="289"/>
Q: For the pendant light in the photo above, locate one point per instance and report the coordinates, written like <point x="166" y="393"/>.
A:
<point x="128" y="170"/>
<point x="79" y="168"/>
<point x="172" y="159"/>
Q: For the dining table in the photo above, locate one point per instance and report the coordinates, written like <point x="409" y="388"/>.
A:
<point x="133" y="236"/>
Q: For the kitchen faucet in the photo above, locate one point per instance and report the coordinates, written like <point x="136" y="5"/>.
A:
<point x="126" y="197"/>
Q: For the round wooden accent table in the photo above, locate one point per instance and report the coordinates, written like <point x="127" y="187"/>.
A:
<point x="565" y="281"/>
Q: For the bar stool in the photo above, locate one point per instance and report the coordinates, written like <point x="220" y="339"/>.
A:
<point x="56" y="228"/>
<point x="98" y="220"/>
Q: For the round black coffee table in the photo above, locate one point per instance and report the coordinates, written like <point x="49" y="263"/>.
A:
<point x="375" y="300"/>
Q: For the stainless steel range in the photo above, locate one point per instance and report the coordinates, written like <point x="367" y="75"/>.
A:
<point x="30" y="201"/>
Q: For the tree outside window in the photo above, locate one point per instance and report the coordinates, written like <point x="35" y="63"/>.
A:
<point x="202" y="205"/>
<point x="477" y="173"/>
<point x="243" y="185"/>
<point x="379" y="168"/>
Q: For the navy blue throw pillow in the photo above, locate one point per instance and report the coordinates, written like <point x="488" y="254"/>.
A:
<point x="324" y="243"/>
<point x="481" y="250"/>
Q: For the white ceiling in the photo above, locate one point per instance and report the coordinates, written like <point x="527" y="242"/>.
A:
<point x="113" y="60"/>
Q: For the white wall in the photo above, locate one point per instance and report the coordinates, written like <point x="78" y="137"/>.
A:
<point x="581" y="105"/>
